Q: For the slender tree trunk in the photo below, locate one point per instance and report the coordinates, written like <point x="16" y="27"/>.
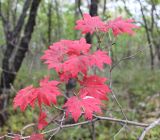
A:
<point x="93" y="12"/>
<point x="104" y="7"/>
<point x="76" y="15"/>
<point x="49" y="21"/>
<point x="15" y="53"/>
<point x="148" y="37"/>
<point x="59" y="27"/>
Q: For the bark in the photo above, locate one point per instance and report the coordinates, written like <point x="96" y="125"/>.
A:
<point x="15" y="53"/>
<point x="93" y="12"/>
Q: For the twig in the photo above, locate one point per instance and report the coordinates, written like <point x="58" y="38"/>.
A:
<point x="115" y="98"/>
<point x="126" y="58"/>
<point x="147" y="129"/>
<point x="120" y="130"/>
<point x="79" y="8"/>
<point x="93" y="131"/>
<point x="27" y="126"/>
<point x="110" y="83"/>
<point x="97" y="118"/>
<point x="122" y="121"/>
<point x="59" y="128"/>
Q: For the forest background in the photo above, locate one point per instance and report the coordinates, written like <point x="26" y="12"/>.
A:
<point x="42" y="22"/>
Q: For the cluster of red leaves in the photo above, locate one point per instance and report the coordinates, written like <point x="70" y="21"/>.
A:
<point x="69" y="58"/>
<point x="90" y="24"/>
<point x="93" y="24"/>
<point x="45" y="94"/>
<point x="72" y="59"/>
<point x="75" y="58"/>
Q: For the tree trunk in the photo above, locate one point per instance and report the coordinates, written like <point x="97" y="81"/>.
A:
<point x="148" y="37"/>
<point x="15" y="54"/>
<point x="49" y="22"/>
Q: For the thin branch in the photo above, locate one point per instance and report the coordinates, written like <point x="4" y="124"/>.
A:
<point x="26" y="127"/>
<point x="147" y="129"/>
<point x="122" y="121"/>
<point x="59" y="128"/>
<point x="97" y="118"/>
<point x="79" y="8"/>
<point x="126" y="58"/>
<point x="93" y="134"/>
<point x="120" y="130"/>
<point x="126" y="8"/>
<point x="5" y="22"/>
<point x="114" y="96"/>
<point x="104" y="7"/>
<point x="1" y="14"/>
<point x="110" y="83"/>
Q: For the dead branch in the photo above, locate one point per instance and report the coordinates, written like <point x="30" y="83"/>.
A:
<point x="54" y="131"/>
<point x="147" y="129"/>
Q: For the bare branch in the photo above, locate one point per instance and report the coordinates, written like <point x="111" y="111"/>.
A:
<point x="126" y="58"/>
<point x="97" y="118"/>
<point x="59" y="128"/>
<point x="147" y="129"/>
<point x="79" y="8"/>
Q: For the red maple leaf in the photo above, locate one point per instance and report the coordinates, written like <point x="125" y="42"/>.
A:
<point x="58" y="53"/>
<point x="25" y="97"/>
<point x="54" y="56"/>
<point x="120" y="26"/>
<point x="46" y="93"/>
<point x="41" y="121"/>
<point x="90" y="24"/>
<point x="94" y="86"/>
<point x="76" y="64"/>
<point x="77" y="47"/>
<point x="87" y="105"/>
<point x="99" y="58"/>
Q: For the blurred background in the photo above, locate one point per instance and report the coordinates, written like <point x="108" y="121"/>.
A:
<point x="28" y="27"/>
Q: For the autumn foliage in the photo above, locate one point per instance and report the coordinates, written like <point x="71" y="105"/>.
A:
<point x="74" y="59"/>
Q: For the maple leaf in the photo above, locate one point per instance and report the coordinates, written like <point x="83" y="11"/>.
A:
<point x="74" y="65"/>
<point x="77" y="47"/>
<point x="120" y="26"/>
<point x="36" y="137"/>
<point x="90" y="24"/>
<point x="41" y="121"/>
<point x="99" y="58"/>
<point x="94" y="86"/>
<point x="87" y="105"/>
<point x="46" y="93"/>
<point x="54" y="56"/>
<point x="25" y="97"/>
<point x="59" y="52"/>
